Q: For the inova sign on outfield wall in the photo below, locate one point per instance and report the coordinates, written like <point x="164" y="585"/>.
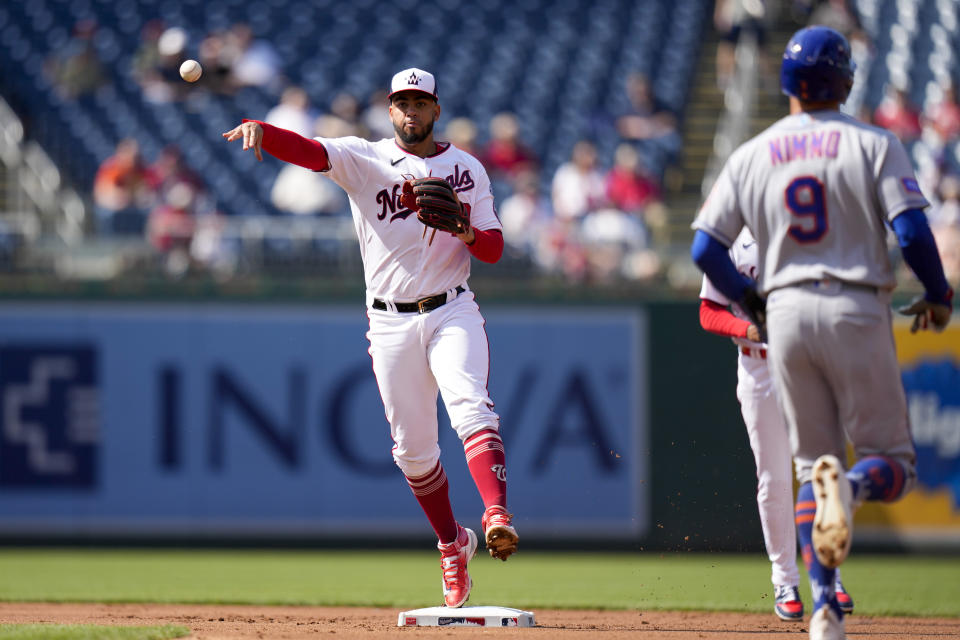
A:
<point x="145" y="419"/>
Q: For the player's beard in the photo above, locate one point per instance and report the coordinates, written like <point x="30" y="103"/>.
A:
<point x="413" y="137"/>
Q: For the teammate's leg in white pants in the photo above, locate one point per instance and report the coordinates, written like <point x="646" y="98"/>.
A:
<point x="770" y="444"/>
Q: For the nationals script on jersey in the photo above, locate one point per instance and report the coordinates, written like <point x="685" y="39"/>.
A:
<point x="805" y="187"/>
<point x="398" y="263"/>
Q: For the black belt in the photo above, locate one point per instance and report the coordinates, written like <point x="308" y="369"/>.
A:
<point x="423" y="305"/>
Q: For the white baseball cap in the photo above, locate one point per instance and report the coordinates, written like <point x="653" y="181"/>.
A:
<point x="414" y="80"/>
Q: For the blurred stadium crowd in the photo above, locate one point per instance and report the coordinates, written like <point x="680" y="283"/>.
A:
<point x="576" y="107"/>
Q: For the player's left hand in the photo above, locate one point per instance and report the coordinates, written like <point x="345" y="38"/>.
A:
<point x="252" y="134"/>
<point x="437" y="205"/>
<point x="927" y="315"/>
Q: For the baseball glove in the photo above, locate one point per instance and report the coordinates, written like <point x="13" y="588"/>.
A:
<point x="436" y="204"/>
<point x="927" y="315"/>
<point x="756" y="309"/>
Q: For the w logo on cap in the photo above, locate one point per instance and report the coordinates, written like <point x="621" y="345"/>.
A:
<point x="413" y="79"/>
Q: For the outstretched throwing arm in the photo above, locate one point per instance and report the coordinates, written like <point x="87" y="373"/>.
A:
<point x="282" y="144"/>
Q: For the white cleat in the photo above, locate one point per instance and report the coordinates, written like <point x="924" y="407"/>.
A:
<point x="825" y="625"/>
<point x="833" y="522"/>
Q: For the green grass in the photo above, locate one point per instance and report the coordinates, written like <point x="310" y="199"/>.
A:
<point x="880" y="585"/>
<point x="88" y="632"/>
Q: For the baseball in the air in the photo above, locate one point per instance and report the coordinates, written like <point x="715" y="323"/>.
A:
<point x="190" y="70"/>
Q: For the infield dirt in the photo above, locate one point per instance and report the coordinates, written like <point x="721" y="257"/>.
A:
<point x="227" y="622"/>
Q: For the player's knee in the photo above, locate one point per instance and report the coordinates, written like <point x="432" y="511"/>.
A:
<point x="414" y="466"/>
<point x="472" y="428"/>
<point x="904" y="477"/>
<point x="470" y="414"/>
<point x="883" y="478"/>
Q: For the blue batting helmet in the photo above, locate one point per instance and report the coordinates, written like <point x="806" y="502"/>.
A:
<point x="817" y="66"/>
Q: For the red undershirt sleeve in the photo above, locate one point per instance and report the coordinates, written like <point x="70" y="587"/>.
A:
<point x="487" y="245"/>
<point x="293" y="148"/>
<point x="716" y="318"/>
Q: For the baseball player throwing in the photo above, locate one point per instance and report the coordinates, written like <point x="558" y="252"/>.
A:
<point x="766" y="431"/>
<point x="421" y="208"/>
<point x="817" y="190"/>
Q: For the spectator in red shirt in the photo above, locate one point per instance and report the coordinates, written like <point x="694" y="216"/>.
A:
<point x="505" y="153"/>
<point x="172" y="221"/>
<point x="629" y="187"/>
<point x="944" y="116"/>
<point x="898" y="115"/>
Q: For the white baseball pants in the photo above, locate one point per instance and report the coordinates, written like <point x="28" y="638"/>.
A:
<point x="416" y="355"/>
<point x="770" y="442"/>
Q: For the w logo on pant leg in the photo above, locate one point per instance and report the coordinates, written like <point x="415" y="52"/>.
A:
<point x="500" y="471"/>
<point x="49" y="417"/>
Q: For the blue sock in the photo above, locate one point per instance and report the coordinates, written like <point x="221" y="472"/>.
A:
<point x="877" y="478"/>
<point x="822" y="580"/>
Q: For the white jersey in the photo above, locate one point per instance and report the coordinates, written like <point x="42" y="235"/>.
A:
<point x="398" y="264"/>
<point x="815" y="189"/>
<point x="744" y="254"/>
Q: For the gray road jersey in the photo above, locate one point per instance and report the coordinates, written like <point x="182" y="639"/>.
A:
<point x="815" y="189"/>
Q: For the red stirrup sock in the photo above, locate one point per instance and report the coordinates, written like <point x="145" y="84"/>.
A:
<point x="433" y="493"/>
<point x="485" y="457"/>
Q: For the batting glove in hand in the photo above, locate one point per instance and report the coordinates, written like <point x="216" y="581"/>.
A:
<point x="756" y="309"/>
<point x="928" y="315"/>
<point x="436" y="204"/>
